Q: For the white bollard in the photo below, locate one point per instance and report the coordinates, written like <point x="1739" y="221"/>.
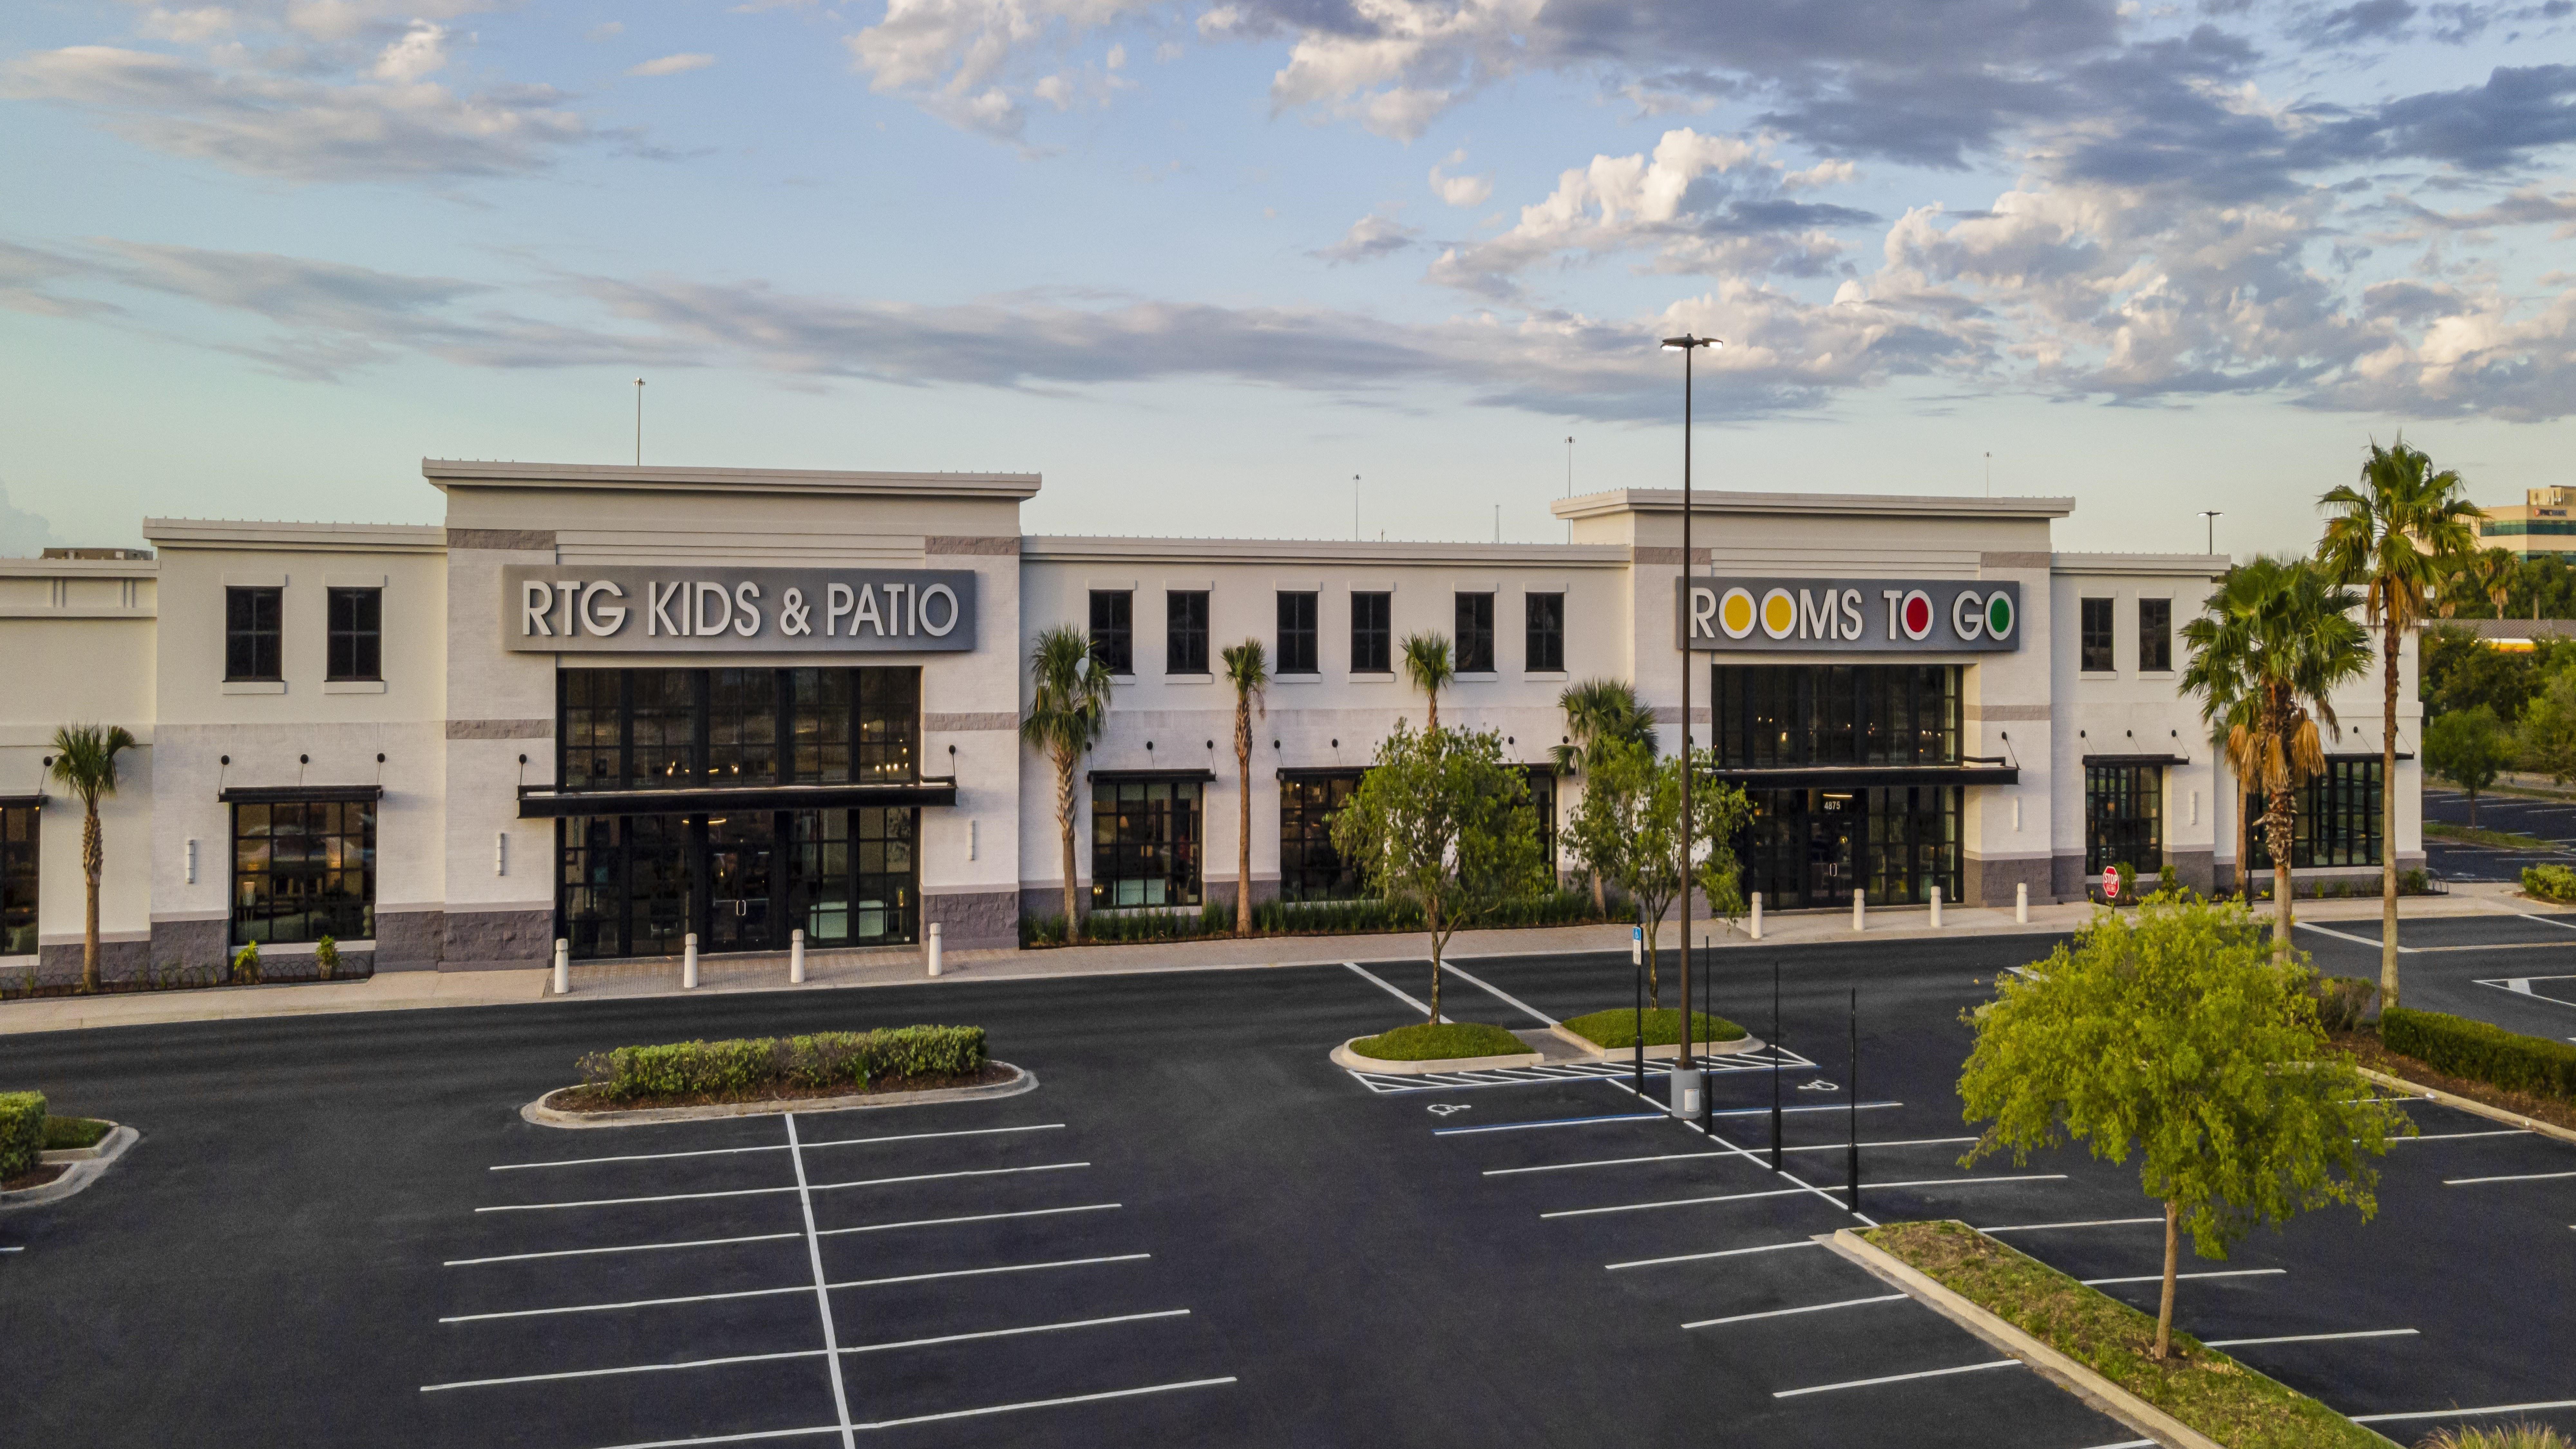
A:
<point x="1860" y="908"/>
<point x="935" y="948"/>
<point x="563" y="967"/>
<point x="2021" y="904"/>
<point x="796" y="956"/>
<point x="689" y="962"/>
<point x="1757" y="915"/>
<point x="1936" y="908"/>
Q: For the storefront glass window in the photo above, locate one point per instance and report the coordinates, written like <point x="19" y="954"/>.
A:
<point x="19" y="835"/>
<point x="663" y="705"/>
<point x="303" y="870"/>
<point x="2124" y="817"/>
<point x="2335" y="819"/>
<point x="1145" y="842"/>
<point x="1310" y="869"/>
<point x="1774" y="715"/>
<point x="677" y="728"/>
<point x="1811" y="847"/>
<point x="742" y="726"/>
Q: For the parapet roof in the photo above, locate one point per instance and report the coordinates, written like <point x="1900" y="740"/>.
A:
<point x="445" y="473"/>
<point x="1877" y="505"/>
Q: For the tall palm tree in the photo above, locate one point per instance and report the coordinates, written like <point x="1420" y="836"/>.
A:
<point x="1068" y="709"/>
<point x="1598" y="711"/>
<point x="85" y="764"/>
<point x="2267" y="653"/>
<point x="2404" y="536"/>
<point x="1247" y="668"/>
<point x="1428" y="664"/>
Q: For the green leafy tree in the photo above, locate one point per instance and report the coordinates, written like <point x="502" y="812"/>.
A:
<point x="1247" y="668"/>
<point x="2547" y="735"/>
<point x="1440" y="821"/>
<point x="85" y="764"/>
<point x="1724" y="812"/>
<point x="2459" y="670"/>
<point x="1428" y="665"/>
<point x="2174" y="1036"/>
<point x="1597" y="711"/>
<point x="2468" y="747"/>
<point x="1068" y="709"/>
<point x="2267" y="652"/>
<point x="1629" y="828"/>
<point x="2406" y="538"/>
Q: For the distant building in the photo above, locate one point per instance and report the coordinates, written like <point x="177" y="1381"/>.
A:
<point x="2543" y="527"/>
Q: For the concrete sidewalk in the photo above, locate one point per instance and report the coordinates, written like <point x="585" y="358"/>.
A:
<point x="834" y="970"/>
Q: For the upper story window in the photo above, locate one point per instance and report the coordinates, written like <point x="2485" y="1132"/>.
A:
<point x="671" y="728"/>
<point x="2096" y="637"/>
<point x="357" y="634"/>
<point x="1544" y="639"/>
<point x="1113" y="629"/>
<point x="1475" y="634"/>
<point x="1372" y="633"/>
<point x="2155" y="634"/>
<point x="1185" y="631"/>
<point x="1836" y="714"/>
<point x="251" y="633"/>
<point x="1297" y="653"/>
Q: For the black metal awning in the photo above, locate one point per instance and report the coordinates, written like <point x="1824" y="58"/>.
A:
<point x="2135" y="760"/>
<point x="1320" y="772"/>
<point x="293" y="794"/>
<point x="22" y="802"/>
<point x="546" y="803"/>
<point x="1837" y="777"/>
<point x="1202" y="776"/>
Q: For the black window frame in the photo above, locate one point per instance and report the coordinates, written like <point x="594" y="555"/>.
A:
<point x="1310" y="868"/>
<point x="319" y="895"/>
<point x="1543" y="633"/>
<point x="2096" y="629"/>
<point x="1113" y="629"/>
<point x="22" y="840"/>
<point x="254" y="636"/>
<point x="2155" y="636"/>
<point x="2335" y="818"/>
<point x="1473" y="614"/>
<point x="1299" y="639"/>
<point x="2124" y="810"/>
<point x="1185" y="631"/>
<point x="1902" y="841"/>
<point x="1148" y="837"/>
<point x="1768" y="716"/>
<point x="1372" y="631"/>
<point x="355" y="643"/>
<point x="661" y="728"/>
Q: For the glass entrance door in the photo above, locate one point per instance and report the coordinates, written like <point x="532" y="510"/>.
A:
<point x="1831" y="832"/>
<point x="742" y="874"/>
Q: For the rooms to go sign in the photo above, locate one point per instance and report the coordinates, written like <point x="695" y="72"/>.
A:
<point x="1862" y="615"/>
<point x="578" y="609"/>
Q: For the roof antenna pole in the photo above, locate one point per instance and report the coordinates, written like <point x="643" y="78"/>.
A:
<point x="639" y="422"/>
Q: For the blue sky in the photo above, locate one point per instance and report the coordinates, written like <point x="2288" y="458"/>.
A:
<point x="1201" y="263"/>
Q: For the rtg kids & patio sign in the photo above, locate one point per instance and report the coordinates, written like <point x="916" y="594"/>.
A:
<point x="576" y="609"/>
<point x="1755" y="616"/>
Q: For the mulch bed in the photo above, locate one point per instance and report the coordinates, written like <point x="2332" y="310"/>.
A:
<point x="38" y="1178"/>
<point x="2366" y="1048"/>
<point x="15" y="989"/>
<point x="594" y="1099"/>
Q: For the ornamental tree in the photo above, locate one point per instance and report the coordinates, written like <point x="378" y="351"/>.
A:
<point x="1628" y="828"/>
<point x="1442" y="822"/>
<point x="2468" y="747"/>
<point x="2177" y="1036"/>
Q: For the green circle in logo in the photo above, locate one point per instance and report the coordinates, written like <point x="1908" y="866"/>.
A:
<point x="1999" y="615"/>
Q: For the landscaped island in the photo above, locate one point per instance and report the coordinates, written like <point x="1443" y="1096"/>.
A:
<point x="27" y="1132"/>
<point x="781" y="1069"/>
<point x="1616" y="1029"/>
<point x="1445" y="1041"/>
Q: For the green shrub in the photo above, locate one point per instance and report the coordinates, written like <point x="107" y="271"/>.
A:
<point x="65" y="1133"/>
<point x="246" y="965"/>
<point x="22" y="1132"/>
<point x="2167" y="882"/>
<point x="1617" y="1027"/>
<point x="2413" y="883"/>
<point x="2550" y="882"/>
<point x="2523" y="1435"/>
<point x="2484" y="1053"/>
<point x="326" y="958"/>
<point x="2342" y="1001"/>
<point x="825" y="1059"/>
<point x="1424" y="1042"/>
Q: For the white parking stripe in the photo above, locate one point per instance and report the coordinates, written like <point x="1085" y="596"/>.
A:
<point x="986" y="1272"/>
<point x="2464" y="1413"/>
<point x="2089" y="1223"/>
<point x="1965" y="1368"/>
<point x="2513" y="1177"/>
<point x="1720" y="1253"/>
<point x="769" y="1147"/>
<point x="1048" y="1403"/>
<point x="1788" y="1191"/>
<point x="1505" y="997"/>
<point x="1550" y="1122"/>
<point x="1602" y="1162"/>
<point x="1093" y="1207"/>
<point x="2307" y="1337"/>
<point x="946" y="1176"/>
<point x="629" y="1248"/>
<point x="2561" y="924"/>
<point x="1907" y="1142"/>
<point x="530" y="1207"/>
<point x="630" y="1303"/>
<point x="2448" y="1136"/>
<point x="1382" y="985"/>
<point x="2159" y="1277"/>
<point x="822" y="1294"/>
<point x="641" y="1368"/>
<point x="1015" y="1332"/>
<point x="928" y="1136"/>
<point x="2348" y="936"/>
<point x="1785" y="1312"/>
<point x="753" y="1437"/>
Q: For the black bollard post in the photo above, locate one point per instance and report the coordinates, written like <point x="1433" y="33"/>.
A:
<point x="1776" y="1050"/>
<point x="1852" y="1165"/>
<point x="1641" y="1031"/>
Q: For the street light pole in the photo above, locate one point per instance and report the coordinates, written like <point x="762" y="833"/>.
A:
<point x="2210" y="516"/>
<point x="639" y="422"/>
<point x="1688" y="345"/>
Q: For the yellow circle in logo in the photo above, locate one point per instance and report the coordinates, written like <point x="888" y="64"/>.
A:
<point x="1779" y="614"/>
<point x="1735" y="612"/>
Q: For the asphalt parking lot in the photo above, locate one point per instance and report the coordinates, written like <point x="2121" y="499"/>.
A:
<point x="2551" y="820"/>
<point x="1195" y="1231"/>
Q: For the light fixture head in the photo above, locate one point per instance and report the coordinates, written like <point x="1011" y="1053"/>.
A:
<point x="1686" y="341"/>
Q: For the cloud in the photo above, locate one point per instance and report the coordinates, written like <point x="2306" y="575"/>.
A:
<point x="23" y="534"/>
<point x="673" y="64"/>
<point x="1460" y="190"/>
<point x="969" y="62"/>
<point x="1369" y="238"/>
<point x="606" y="30"/>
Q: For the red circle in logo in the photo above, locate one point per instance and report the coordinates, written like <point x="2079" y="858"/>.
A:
<point x="1918" y="616"/>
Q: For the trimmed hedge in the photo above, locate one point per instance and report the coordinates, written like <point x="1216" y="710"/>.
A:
<point x="22" y="1132"/>
<point x="2484" y="1053"/>
<point x="2550" y="882"/>
<point x="825" y="1059"/>
<point x="1304" y="918"/>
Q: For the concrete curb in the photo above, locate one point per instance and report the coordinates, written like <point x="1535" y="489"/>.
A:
<point x="82" y="1172"/>
<point x="1745" y="1043"/>
<point x="2470" y="1104"/>
<point x="2066" y="1373"/>
<point x="541" y="1115"/>
<point x="1351" y="1061"/>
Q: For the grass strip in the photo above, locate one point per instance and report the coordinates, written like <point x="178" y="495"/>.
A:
<point x="2501" y="839"/>
<point x="1425" y="1042"/>
<point x="2200" y="1386"/>
<point x="63" y="1134"/>
<point x="1617" y="1027"/>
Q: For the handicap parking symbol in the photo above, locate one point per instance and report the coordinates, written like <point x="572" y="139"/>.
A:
<point x="1818" y="1085"/>
<point x="1443" y="1109"/>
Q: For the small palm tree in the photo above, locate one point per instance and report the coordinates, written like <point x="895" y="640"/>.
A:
<point x="2404" y="536"/>
<point x="85" y="764"/>
<point x="1247" y="668"/>
<point x="2268" y="651"/>
<point x="1597" y="712"/>
<point x="1068" y="710"/>
<point x="1428" y="664"/>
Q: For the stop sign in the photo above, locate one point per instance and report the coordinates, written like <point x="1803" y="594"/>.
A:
<point x="2111" y="881"/>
